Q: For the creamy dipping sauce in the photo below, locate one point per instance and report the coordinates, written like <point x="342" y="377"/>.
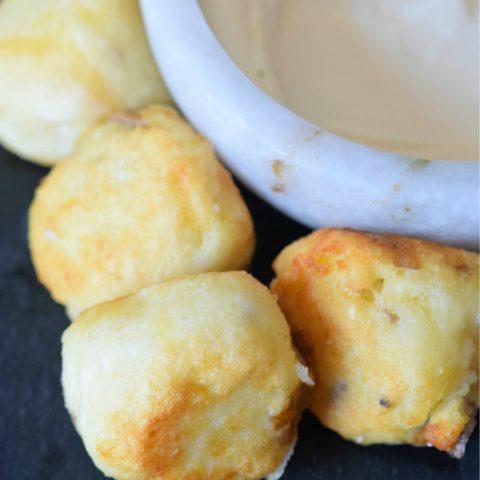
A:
<point x="401" y="76"/>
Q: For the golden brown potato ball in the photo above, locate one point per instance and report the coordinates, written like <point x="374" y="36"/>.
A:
<point x="189" y="379"/>
<point x="143" y="199"/>
<point x="65" y="64"/>
<point x="389" y="327"/>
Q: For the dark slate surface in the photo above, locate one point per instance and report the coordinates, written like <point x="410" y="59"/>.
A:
<point x="37" y="440"/>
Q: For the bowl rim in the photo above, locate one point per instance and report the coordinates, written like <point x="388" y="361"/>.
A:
<point x="251" y="132"/>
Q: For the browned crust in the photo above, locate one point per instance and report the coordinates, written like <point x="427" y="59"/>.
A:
<point x="285" y="423"/>
<point x="308" y="299"/>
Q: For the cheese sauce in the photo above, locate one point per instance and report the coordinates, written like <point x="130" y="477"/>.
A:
<point x="401" y="76"/>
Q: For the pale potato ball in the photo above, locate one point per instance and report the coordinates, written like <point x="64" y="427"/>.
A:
<point x="194" y="378"/>
<point x="65" y="64"/>
<point x="389" y="327"/>
<point x="143" y="199"/>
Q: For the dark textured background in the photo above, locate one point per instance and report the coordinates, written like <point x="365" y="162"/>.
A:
<point x="37" y="440"/>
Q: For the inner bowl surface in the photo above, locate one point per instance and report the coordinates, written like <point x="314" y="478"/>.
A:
<point x="308" y="173"/>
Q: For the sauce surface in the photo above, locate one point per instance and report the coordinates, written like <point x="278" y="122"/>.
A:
<point x="401" y="76"/>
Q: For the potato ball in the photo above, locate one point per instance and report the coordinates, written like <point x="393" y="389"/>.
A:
<point x="64" y="65"/>
<point x="389" y="327"/>
<point x="143" y="199"/>
<point x="194" y="378"/>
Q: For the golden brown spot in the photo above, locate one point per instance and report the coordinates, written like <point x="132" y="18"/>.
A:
<point x="403" y="251"/>
<point x="105" y="451"/>
<point x="323" y="265"/>
<point x="217" y="447"/>
<point x="285" y="423"/>
<point x="72" y="278"/>
<point x="158" y="442"/>
<point x="132" y="119"/>
<point x="396" y="187"/>
<point x="341" y="264"/>
<point x="234" y="424"/>
<point x="405" y="260"/>
<point x="463" y="270"/>
<point x="307" y="262"/>
<point x="162" y="443"/>
<point x="440" y="435"/>
<point x="307" y="350"/>
<point x="162" y="437"/>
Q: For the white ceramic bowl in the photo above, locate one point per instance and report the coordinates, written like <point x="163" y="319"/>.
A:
<point x="311" y="175"/>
